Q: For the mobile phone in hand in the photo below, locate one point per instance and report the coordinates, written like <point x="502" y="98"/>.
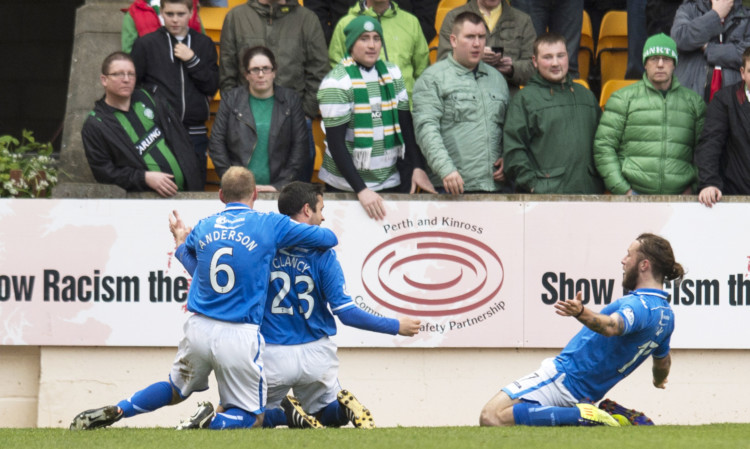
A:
<point x="498" y="50"/>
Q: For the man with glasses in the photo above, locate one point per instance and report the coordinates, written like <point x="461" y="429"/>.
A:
<point x="135" y="140"/>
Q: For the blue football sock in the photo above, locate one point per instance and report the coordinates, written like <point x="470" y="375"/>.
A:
<point x="274" y="417"/>
<point x="528" y="414"/>
<point x="333" y="415"/>
<point x="147" y="400"/>
<point x="233" y="418"/>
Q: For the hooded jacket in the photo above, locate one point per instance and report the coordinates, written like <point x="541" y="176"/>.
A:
<point x="187" y="86"/>
<point x="548" y="138"/>
<point x="645" y="140"/>
<point x="291" y="32"/>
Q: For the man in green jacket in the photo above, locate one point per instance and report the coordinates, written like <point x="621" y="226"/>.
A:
<point x="647" y="134"/>
<point x="403" y="41"/>
<point x="548" y="137"/>
<point x="459" y="113"/>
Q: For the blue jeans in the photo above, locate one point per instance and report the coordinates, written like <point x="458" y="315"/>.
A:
<point x="636" y="38"/>
<point x="563" y="17"/>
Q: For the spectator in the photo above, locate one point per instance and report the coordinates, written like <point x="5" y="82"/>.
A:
<point x="329" y="12"/>
<point x="636" y="37"/>
<point x="563" y="17"/>
<point x="459" y="112"/>
<point x="403" y="42"/>
<point x="368" y="124"/>
<point x="261" y="127"/>
<point x="135" y="140"/>
<point x="723" y="154"/>
<point x="293" y="34"/>
<point x="142" y="17"/>
<point x="180" y="65"/>
<point x="549" y="111"/>
<point x="711" y="36"/>
<point x="511" y="33"/>
<point x="660" y="15"/>
<point x="424" y="11"/>
<point x="646" y="136"/>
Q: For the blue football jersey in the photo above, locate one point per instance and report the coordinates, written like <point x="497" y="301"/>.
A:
<point x="232" y="252"/>
<point x="305" y="287"/>
<point x="593" y="363"/>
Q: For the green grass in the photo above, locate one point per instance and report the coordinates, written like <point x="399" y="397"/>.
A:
<point x="662" y="437"/>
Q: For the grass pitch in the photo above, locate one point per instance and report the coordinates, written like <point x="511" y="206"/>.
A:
<point x="662" y="437"/>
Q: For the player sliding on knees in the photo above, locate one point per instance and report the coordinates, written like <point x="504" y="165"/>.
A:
<point x="611" y="345"/>
<point x="306" y="289"/>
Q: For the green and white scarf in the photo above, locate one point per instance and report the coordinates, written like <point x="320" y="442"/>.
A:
<point x="363" y="124"/>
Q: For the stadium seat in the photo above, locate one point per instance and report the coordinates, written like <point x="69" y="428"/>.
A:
<point x="582" y="82"/>
<point x="319" y="137"/>
<point x="213" y="19"/>
<point x="439" y="17"/>
<point x="612" y="47"/>
<point x="233" y="3"/>
<point x="212" y="179"/>
<point x="611" y="86"/>
<point x="586" y="48"/>
<point x="451" y="4"/>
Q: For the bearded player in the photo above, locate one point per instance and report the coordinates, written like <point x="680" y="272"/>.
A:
<point x="611" y="345"/>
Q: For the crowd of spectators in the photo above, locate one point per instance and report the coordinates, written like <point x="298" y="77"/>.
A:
<point x="395" y="123"/>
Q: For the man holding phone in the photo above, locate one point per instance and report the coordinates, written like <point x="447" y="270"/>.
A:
<point x="508" y="47"/>
<point x="459" y="112"/>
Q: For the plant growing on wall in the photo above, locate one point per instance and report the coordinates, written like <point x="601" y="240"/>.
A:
<point x="26" y="168"/>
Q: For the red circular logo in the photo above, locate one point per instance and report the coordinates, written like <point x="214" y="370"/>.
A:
<point x="432" y="274"/>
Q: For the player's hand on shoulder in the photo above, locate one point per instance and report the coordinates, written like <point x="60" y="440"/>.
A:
<point x="408" y="326"/>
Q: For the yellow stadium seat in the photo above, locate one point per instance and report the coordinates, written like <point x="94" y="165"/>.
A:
<point x="612" y="47"/>
<point x="582" y="82"/>
<point x="213" y="19"/>
<point x="611" y="86"/>
<point x="439" y="17"/>
<point x="451" y="4"/>
<point x="233" y="3"/>
<point x="586" y="48"/>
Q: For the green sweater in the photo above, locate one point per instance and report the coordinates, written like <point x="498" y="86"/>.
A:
<point x="645" y="139"/>
<point x="548" y="138"/>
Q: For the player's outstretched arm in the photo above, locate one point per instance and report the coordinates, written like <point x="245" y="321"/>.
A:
<point x="607" y="325"/>
<point x="408" y="327"/>
<point x="178" y="228"/>
<point x="661" y="370"/>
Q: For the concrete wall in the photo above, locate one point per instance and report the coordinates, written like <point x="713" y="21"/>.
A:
<point x="46" y="387"/>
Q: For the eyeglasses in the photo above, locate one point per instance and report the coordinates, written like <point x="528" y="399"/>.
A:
<point x="258" y="70"/>
<point x="121" y="75"/>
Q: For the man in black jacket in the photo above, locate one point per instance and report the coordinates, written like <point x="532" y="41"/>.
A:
<point x="180" y="65"/>
<point x="723" y="153"/>
<point x="134" y="139"/>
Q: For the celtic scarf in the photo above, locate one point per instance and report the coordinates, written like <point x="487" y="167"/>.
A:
<point x="363" y="113"/>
